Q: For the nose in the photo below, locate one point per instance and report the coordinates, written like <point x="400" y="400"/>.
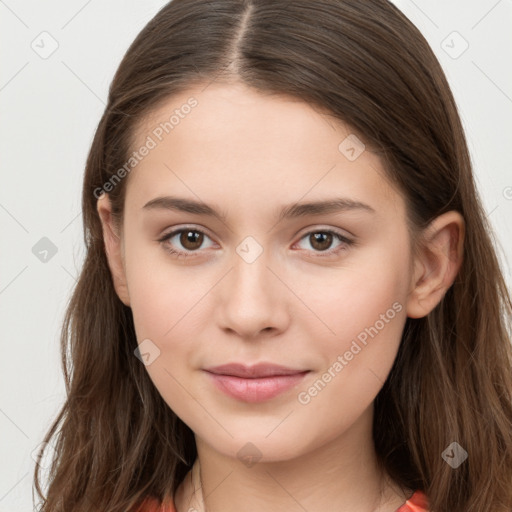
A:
<point x="253" y="301"/>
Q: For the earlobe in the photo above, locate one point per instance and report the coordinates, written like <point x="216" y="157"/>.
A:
<point x="437" y="263"/>
<point x="113" y="248"/>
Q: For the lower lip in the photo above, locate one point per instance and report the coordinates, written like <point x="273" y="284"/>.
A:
<point x="255" y="390"/>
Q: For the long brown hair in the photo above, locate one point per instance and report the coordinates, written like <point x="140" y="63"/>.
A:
<point x="366" y="64"/>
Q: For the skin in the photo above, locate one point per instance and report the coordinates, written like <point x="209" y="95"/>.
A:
<point x="249" y="155"/>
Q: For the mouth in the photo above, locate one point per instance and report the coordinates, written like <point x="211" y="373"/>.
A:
<point x="256" y="383"/>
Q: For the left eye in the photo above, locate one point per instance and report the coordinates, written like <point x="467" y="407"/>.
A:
<point x="192" y="239"/>
<point x="321" y="241"/>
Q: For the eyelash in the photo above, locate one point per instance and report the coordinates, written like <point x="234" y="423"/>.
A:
<point x="346" y="242"/>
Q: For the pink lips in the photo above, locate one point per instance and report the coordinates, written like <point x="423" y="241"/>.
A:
<point x="254" y="383"/>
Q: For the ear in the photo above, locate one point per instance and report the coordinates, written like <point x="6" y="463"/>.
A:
<point x="436" y="264"/>
<point x="114" y="248"/>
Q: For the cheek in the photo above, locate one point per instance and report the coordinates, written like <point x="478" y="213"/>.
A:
<point x="165" y="304"/>
<point x="161" y="293"/>
<point x="356" y="362"/>
<point x="366" y="314"/>
<point x="369" y="291"/>
<point x="168" y="304"/>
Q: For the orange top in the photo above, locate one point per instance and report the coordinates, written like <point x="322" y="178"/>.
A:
<point x="416" y="503"/>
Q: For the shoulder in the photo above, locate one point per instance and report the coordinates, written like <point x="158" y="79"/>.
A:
<point x="153" y="505"/>
<point x="416" y="503"/>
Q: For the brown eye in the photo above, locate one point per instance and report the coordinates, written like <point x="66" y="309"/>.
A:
<point x="186" y="242"/>
<point x="321" y="243"/>
<point x="191" y="240"/>
<point x="321" y="240"/>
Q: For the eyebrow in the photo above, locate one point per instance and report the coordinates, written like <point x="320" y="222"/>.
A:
<point x="288" y="212"/>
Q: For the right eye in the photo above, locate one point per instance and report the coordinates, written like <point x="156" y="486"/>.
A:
<point x="190" y="239"/>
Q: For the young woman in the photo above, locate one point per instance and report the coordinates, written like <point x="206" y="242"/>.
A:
<point x="290" y="299"/>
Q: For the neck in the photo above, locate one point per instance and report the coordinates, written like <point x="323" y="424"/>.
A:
<point x="341" y="475"/>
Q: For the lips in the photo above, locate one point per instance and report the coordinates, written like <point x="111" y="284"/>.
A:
<point x="256" y="383"/>
<point x="253" y="372"/>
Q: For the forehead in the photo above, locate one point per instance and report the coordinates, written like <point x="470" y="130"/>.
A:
<point x="230" y="142"/>
<point x="235" y="114"/>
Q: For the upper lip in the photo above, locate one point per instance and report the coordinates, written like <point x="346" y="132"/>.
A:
<point x="255" y="371"/>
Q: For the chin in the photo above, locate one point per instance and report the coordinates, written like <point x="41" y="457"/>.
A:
<point x="257" y="446"/>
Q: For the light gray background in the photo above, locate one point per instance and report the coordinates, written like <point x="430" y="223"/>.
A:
<point x="50" y="108"/>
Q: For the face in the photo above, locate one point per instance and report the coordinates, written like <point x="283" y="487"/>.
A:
<point x="319" y="290"/>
